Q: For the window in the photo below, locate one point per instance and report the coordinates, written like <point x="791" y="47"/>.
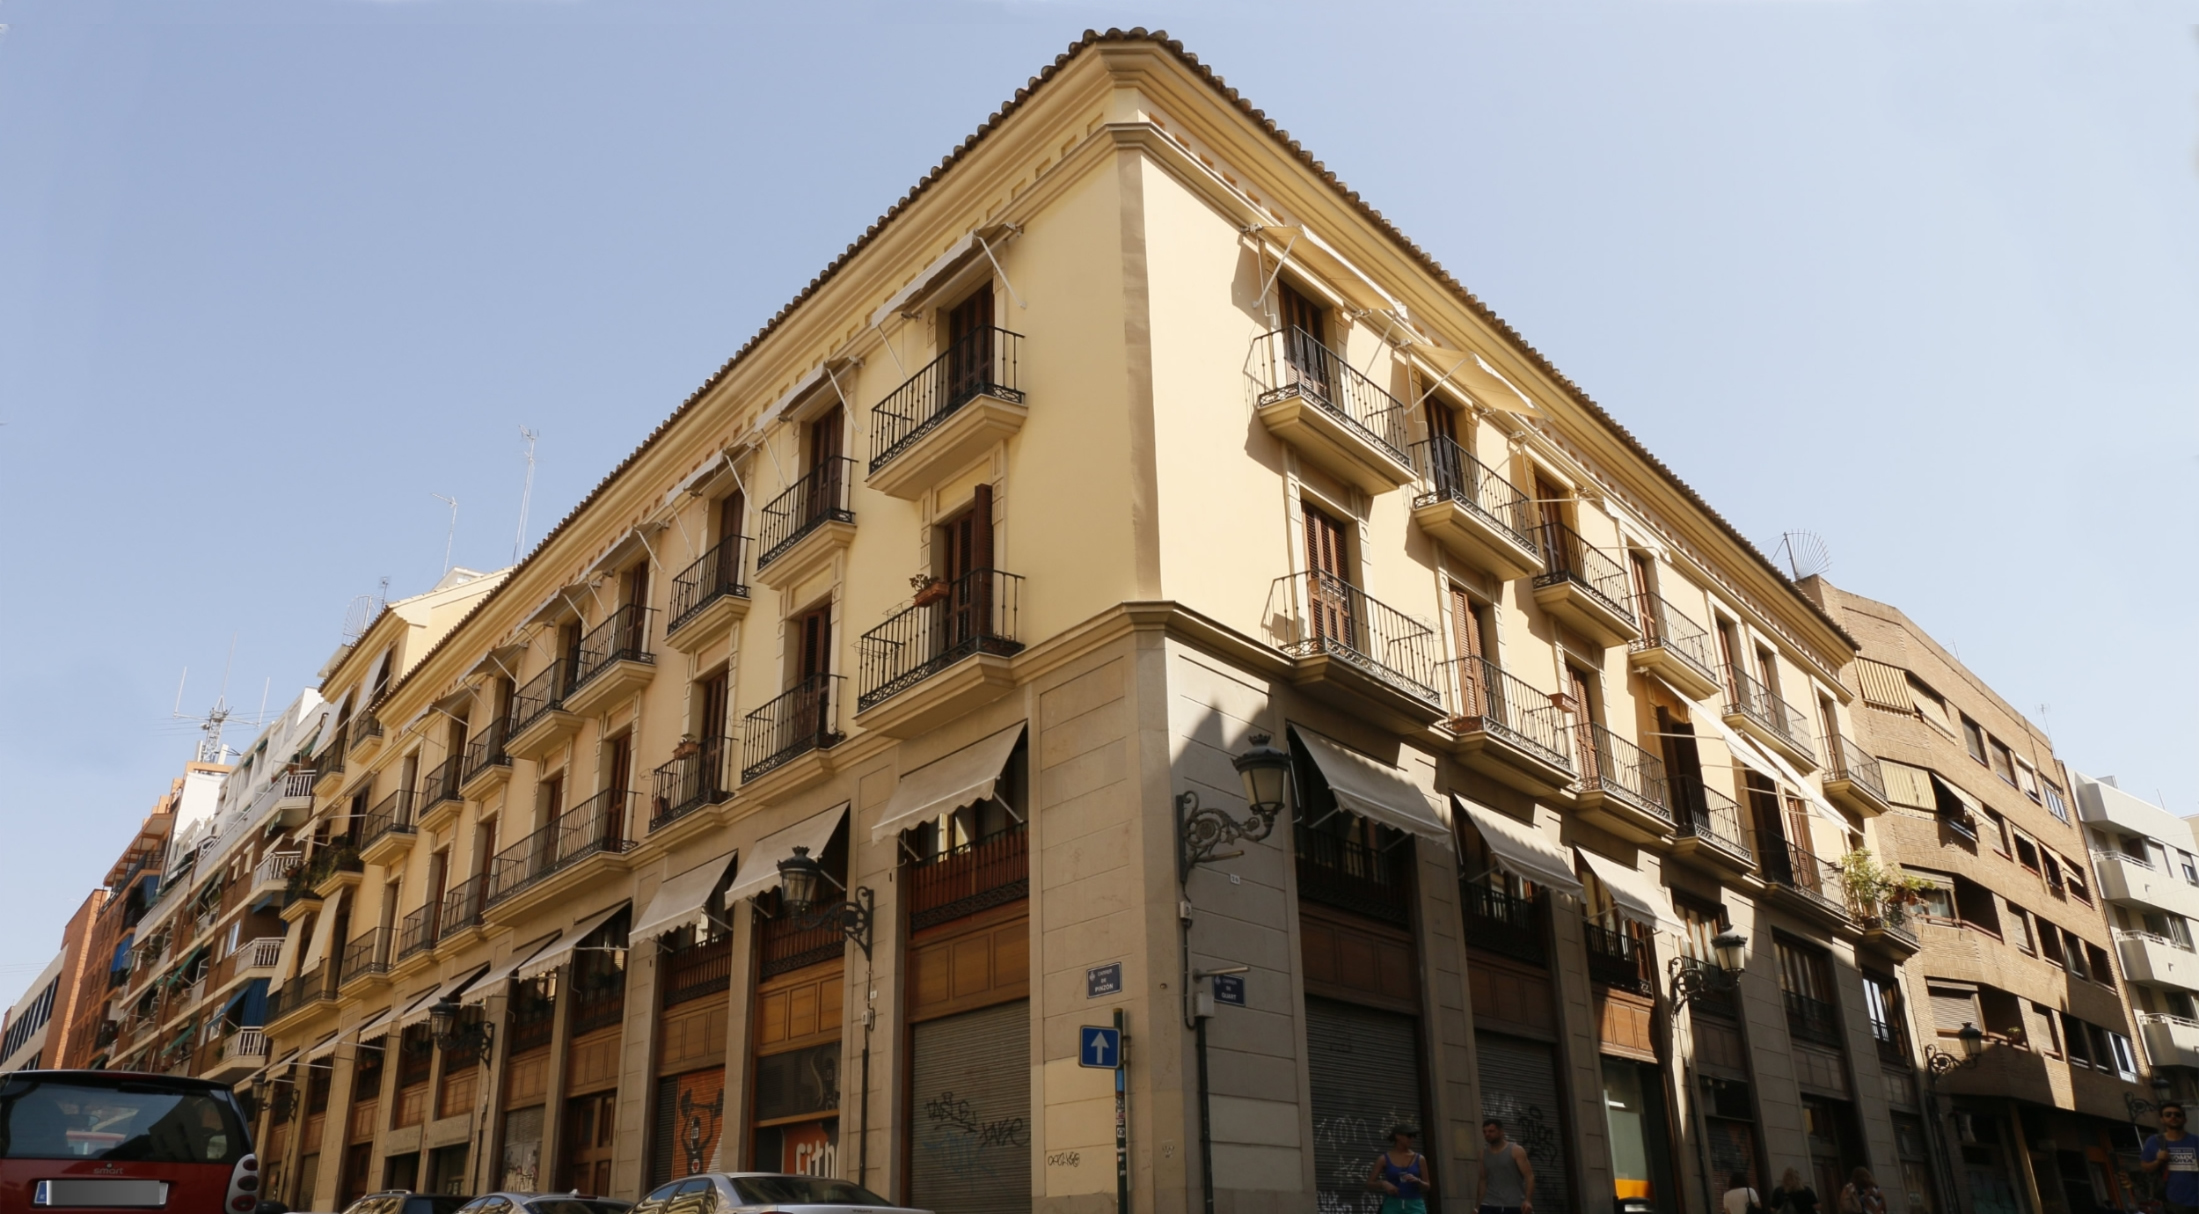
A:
<point x="1938" y="902"/>
<point x="2003" y="762"/>
<point x="2073" y="955"/>
<point x="2077" y="886"/>
<point x="2076" y="1041"/>
<point x="2050" y="943"/>
<point x="2019" y="930"/>
<point x="2027" y="852"/>
<point x="2189" y="866"/>
<point x="2051" y="869"/>
<point x="1996" y="831"/>
<point x="2103" y="970"/>
<point x="1973" y="739"/>
<point x="1953" y="1006"/>
<point x="2054" y="804"/>
<point x="2027" y="779"/>
<point x="1931" y="707"/>
<point x="2126" y="1062"/>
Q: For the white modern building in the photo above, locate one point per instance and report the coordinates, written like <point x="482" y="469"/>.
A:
<point x="23" y="1034"/>
<point x="2144" y="864"/>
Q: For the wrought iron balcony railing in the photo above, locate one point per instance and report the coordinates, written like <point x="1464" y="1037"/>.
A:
<point x="823" y="496"/>
<point x="331" y="759"/>
<point x="981" y="362"/>
<point x="698" y="971"/>
<point x="1501" y="921"/>
<point x="441" y="782"/>
<point x="1811" y="1019"/>
<point x="1349" y="875"/>
<point x="803" y="719"/>
<point x="1666" y="627"/>
<point x="1291" y="362"/>
<point x="543" y="693"/>
<point x="1569" y="558"/>
<point x="1799" y="870"/>
<point x="976" y="876"/>
<point x="1450" y="474"/>
<point x="716" y="574"/>
<point x="1852" y="763"/>
<point x="701" y="776"/>
<point x="417" y="931"/>
<point x="1623" y="770"/>
<point x="1620" y="960"/>
<point x="1314" y="614"/>
<point x="392" y="815"/>
<point x="1893" y="1044"/>
<point x="368" y="953"/>
<point x="365" y="728"/>
<point x="461" y="907"/>
<point x="1488" y="700"/>
<point x="1754" y="701"/>
<point x="975" y="613"/>
<point x="623" y="636"/>
<point x="486" y="748"/>
<point x="594" y="827"/>
<point x="1702" y="812"/>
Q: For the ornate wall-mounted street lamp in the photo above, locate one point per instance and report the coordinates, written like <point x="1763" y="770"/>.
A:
<point x="800" y="881"/>
<point x="1268" y="791"/>
<point x="447" y="1023"/>
<point x="2139" y="1106"/>
<point x="1938" y="1062"/>
<point x="1692" y="982"/>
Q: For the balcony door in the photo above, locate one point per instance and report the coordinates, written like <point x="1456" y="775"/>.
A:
<point x="731" y="507"/>
<point x="1328" y="592"/>
<point x="1466" y="631"/>
<point x="827" y="443"/>
<point x="1584" y="738"/>
<point x="966" y="560"/>
<point x="1305" y="339"/>
<point x="969" y="347"/>
<point x="1446" y="467"/>
<point x="1550" y="510"/>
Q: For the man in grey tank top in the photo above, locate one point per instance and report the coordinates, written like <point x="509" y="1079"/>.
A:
<point x="1507" y="1178"/>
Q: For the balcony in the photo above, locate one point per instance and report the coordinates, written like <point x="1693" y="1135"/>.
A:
<point x="240" y="1053"/>
<point x="2158" y="960"/>
<point x="293" y="798"/>
<point x="614" y="663"/>
<point x="366" y="735"/>
<point x="783" y="945"/>
<point x="335" y="865"/>
<point x="1501" y="922"/>
<point x="1812" y="1020"/>
<point x="595" y="827"/>
<point x="388" y="829"/>
<point x="417" y="933"/>
<point x="947" y="415"/>
<point x="1508" y="730"/>
<point x="697" y="972"/>
<point x="1718" y="1000"/>
<point x="804" y="526"/>
<point x="1754" y="710"/>
<point x="308" y="990"/>
<point x="264" y="953"/>
<point x="1356" y="652"/>
<point x="1620" y="960"/>
<point x="1585" y="588"/>
<point x="708" y="598"/>
<point x="271" y="876"/>
<point x="487" y="765"/>
<point x="1707" y="828"/>
<point x="1473" y="513"/>
<point x="1351" y="876"/>
<point x="699" y="774"/>
<point x="1674" y="648"/>
<point x="540" y="720"/>
<point x="1337" y="418"/>
<point x="1853" y="778"/>
<point x="1805" y="882"/>
<point x="441" y="794"/>
<point x="1893" y="1044"/>
<point x="461" y="908"/>
<point x="965" y="880"/>
<point x="803" y="720"/>
<point x="1622" y="785"/>
<point x="328" y="766"/>
<point x="2170" y="1040"/>
<point x="2126" y="878"/>
<point x="366" y="957"/>
<point x="916" y="653"/>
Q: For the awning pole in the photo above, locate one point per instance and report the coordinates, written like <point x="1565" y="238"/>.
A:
<point x="987" y="246"/>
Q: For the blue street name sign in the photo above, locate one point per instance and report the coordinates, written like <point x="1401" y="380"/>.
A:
<point x="1103" y="980"/>
<point x="1099" y="1048"/>
<point x="1229" y="989"/>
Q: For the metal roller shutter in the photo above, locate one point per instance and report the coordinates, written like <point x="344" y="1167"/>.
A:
<point x="971" y="1135"/>
<point x="1365" y="1070"/>
<point x="1519" y="1087"/>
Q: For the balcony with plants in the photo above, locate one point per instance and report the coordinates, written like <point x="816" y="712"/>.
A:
<point x="944" y="654"/>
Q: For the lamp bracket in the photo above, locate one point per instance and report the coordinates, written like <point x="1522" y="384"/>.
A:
<point x="1201" y="829"/>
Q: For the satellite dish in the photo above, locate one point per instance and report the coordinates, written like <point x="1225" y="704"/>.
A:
<point x="356" y="618"/>
<point x="1806" y="553"/>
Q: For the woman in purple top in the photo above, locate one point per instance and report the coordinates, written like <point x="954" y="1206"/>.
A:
<point x="1400" y="1174"/>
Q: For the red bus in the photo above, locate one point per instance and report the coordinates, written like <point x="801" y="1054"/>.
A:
<point x="101" y="1141"/>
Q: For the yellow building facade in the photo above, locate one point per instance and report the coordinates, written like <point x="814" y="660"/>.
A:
<point x="1129" y="444"/>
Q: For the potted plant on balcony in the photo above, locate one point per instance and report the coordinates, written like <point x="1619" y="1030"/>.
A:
<point x="1875" y="895"/>
<point x="929" y="589"/>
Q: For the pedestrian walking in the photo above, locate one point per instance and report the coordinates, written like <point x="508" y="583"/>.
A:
<point x="1507" y="1178"/>
<point x="1862" y="1196"/>
<point x="1401" y="1175"/>
<point x="1792" y="1196"/>
<point x="2173" y="1155"/>
<point x="1740" y="1198"/>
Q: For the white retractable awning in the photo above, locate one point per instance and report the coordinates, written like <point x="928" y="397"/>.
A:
<point x="927" y="279"/>
<point x="945" y="785"/>
<point x="1744" y="752"/>
<point x="558" y="951"/>
<point x="1635" y="896"/>
<point x="760" y="866"/>
<point x="1476" y="378"/>
<point x="376" y="1027"/>
<point x="316" y="951"/>
<point x="418" y="1009"/>
<point x="502" y="661"/>
<point x="1376" y="790"/>
<point x="698" y="482"/>
<point x="492" y="982"/>
<point x="634" y="542"/>
<point x="679" y="898"/>
<point x="1767" y="762"/>
<point x="287" y="1060"/>
<point x="1520" y="849"/>
<point x="1968" y="802"/>
<point x="323" y="1048"/>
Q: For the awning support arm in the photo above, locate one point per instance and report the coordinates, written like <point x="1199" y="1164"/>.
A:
<point x="987" y="246"/>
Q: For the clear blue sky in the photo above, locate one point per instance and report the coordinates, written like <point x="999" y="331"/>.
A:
<point x="1922" y="278"/>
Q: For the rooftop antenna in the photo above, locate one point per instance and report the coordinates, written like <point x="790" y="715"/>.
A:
<point x="358" y="613"/>
<point x="1806" y="551"/>
<point x="452" y="502"/>
<point x="210" y="749"/>
<point x="526" y="491"/>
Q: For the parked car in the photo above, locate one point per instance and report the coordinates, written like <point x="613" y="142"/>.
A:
<point x="116" y="1138"/>
<point x="755" y="1192"/>
<point x="404" y="1201"/>
<point x="544" y="1203"/>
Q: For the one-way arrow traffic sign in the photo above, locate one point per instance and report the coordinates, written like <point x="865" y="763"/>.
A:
<point x="1099" y="1048"/>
